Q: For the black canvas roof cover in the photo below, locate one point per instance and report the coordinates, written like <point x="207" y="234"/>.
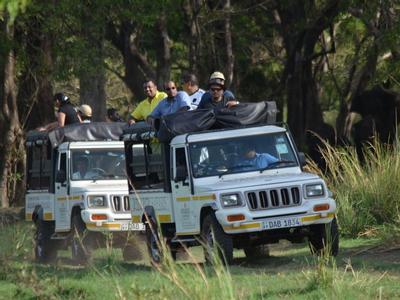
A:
<point x="96" y="131"/>
<point x="138" y="131"/>
<point x="244" y="114"/>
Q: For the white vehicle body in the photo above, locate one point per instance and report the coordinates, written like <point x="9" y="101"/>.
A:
<point x="254" y="204"/>
<point x="58" y="206"/>
<point x="81" y="179"/>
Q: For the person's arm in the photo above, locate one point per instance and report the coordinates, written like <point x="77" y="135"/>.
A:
<point x="61" y="119"/>
<point x="183" y="101"/>
<point x="230" y="99"/>
<point x="136" y="115"/>
<point x="48" y="127"/>
<point x="232" y="103"/>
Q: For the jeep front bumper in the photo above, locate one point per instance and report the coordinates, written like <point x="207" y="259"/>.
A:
<point x="105" y="221"/>
<point x="262" y="220"/>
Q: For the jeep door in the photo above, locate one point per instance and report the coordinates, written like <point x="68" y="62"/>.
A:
<point x="181" y="192"/>
<point x="62" y="210"/>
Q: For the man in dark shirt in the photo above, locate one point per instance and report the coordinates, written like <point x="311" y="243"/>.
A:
<point x="217" y="96"/>
<point x="66" y="112"/>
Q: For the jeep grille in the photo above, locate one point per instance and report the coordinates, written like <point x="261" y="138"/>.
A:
<point x="120" y="203"/>
<point x="274" y="198"/>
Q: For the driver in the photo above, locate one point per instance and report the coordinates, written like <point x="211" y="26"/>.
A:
<point x="252" y="160"/>
<point x="82" y="165"/>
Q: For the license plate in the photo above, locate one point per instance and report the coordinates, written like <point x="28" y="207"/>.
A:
<point x="282" y="223"/>
<point x="132" y="226"/>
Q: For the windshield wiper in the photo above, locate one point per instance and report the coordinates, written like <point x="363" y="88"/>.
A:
<point x="233" y="168"/>
<point x="277" y="163"/>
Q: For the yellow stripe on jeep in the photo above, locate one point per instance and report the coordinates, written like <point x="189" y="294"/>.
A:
<point x="74" y="198"/>
<point x="316" y="217"/>
<point x="188" y="233"/>
<point x="62" y="198"/>
<point x="136" y="219"/>
<point x="164" y="218"/>
<point x="205" y="197"/>
<point x="48" y="216"/>
<point x="182" y="199"/>
<point x="243" y="226"/>
<point x="104" y="225"/>
<point x="28" y="217"/>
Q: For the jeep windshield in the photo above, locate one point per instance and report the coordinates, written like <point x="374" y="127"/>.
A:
<point x="241" y="154"/>
<point x="98" y="164"/>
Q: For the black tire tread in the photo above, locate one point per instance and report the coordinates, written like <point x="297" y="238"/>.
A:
<point x="223" y="240"/>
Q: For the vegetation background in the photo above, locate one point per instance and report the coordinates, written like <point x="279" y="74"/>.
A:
<point x="312" y="57"/>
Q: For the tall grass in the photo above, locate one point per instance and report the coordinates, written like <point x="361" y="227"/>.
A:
<point x="367" y="194"/>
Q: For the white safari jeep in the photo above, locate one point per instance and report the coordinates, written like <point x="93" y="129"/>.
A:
<point x="77" y="190"/>
<point x="238" y="188"/>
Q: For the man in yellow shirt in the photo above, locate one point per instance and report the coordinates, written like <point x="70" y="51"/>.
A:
<point x="146" y="106"/>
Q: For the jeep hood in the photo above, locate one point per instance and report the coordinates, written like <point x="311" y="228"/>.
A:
<point x="255" y="181"/>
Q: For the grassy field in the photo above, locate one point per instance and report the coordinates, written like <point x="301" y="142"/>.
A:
<point x="365" y="268"/>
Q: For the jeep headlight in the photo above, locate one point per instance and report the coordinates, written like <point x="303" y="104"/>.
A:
<point x="97" y="201"/>
<point x="314" y="190"/>
<point x="229" y="200"/>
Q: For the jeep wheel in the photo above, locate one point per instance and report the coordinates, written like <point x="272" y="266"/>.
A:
<point x="153" y="244"/>
<point x="45" y="248"/>
<point x="215" y="239"/>
<point x="79" y="252"/>
<point x="324" y="236"/>
<point x="261" y="251"/>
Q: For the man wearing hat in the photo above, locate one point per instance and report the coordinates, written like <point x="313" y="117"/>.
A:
<point x="217" y="96"/>
<point x="85" y="113"/>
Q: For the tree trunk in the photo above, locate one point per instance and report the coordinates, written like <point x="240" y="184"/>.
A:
<point x="163" y="50"/>
<point x="125" y="38"/>
<point x="228" y="41"/>
<point x="12" y="142"/>
<point x="92" y="77"/>
<point x="304" y="111"/>
<point x="191" y="9"/>
<point x="35" y="96"/>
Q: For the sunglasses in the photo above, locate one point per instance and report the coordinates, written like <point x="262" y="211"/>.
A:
<point x="215" y="89"/>
<point x="171" y="88"/>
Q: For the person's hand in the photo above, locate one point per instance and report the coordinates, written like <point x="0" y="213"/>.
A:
<point x="232" y="103"/>
<point x="150" y="120"/>
<point x="131" y="121"/>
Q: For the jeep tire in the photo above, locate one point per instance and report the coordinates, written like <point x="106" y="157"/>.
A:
<point x="79" y="251"/>
<point x="256" y="252"/>
<point x="215" y="239"/>
<point x="322" y="236"/>
<point x="153" y="244"/>
<point x="45" y="248"/>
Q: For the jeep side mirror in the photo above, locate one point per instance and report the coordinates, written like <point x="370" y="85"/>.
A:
<point x="61" y="176"/>
<point x="181" y="173"/>
<point x="302" y="159"/>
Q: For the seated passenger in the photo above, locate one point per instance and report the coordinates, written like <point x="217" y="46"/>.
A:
<point x="190" y="85"/>
<point x="174" y="102"/>
<point x="85" y="113"/>
<point x="251" y="160"/>
<point x="217" y="96"/>
<point x="82" y="165"/>
<point x="146" y="106"/>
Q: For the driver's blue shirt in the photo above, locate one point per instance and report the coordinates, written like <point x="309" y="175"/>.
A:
<point x="259" y="161"/>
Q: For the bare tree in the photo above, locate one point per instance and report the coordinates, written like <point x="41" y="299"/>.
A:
<point x="12" y="141"/>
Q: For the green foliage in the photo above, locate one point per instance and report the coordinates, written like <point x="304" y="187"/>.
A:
<point x="13" y="8"/>
<point x="288" y="273"/>
<point x="366" y="194"/>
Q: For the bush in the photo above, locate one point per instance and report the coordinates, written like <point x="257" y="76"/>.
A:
<point x="366" y="194"/>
